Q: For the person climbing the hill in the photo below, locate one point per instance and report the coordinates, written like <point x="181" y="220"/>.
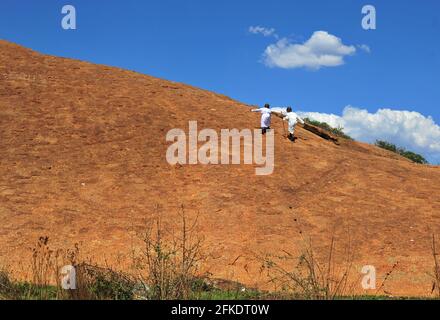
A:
<point x="292" y="118"/>
<point x="266" y="116"/>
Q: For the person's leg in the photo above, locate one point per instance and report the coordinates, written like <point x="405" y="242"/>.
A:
<point x="292" y="133"/>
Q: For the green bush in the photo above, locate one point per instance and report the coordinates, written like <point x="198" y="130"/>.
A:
<point x="417" y="158"/>
<point x="99" y="283"/>
<point x="387" y="146"/>
<point x="339" y="131"/>
<point x="414" y="157"/>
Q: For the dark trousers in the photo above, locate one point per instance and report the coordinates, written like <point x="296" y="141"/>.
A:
<point x="291" y="137"/>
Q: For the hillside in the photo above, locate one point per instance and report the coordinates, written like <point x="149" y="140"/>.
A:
<point x="83" y="160"/>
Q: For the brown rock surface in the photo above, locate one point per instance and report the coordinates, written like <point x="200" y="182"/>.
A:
<point x="82" y="159"/>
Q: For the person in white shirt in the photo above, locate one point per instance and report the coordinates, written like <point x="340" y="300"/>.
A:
<point x="292" y="118"/>
<point x="266" y="117"/>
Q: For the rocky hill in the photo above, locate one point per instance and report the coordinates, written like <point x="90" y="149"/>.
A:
<point x="82" y="159"/>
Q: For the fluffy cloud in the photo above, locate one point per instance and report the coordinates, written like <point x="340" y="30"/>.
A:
<point x="408" y="129"/>
<point x="321" y="50"/>
<point x="267" y="32"/>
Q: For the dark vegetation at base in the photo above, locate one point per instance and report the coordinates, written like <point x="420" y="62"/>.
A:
<point x="117" y="287"/>
<point x="114" y="290"/>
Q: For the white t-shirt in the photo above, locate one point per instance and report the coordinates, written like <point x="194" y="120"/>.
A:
<point x="266" y="116"/>
<point x="292" y="118"/>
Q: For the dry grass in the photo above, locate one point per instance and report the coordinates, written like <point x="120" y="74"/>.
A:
<point x="43" y="284"/>
<point x="311" y="278"/>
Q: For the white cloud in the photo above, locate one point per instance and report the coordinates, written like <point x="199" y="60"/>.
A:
<point x="407" y="129"/>
<point x="321" y="50"/>
<point x="267" y="32"/>
<point x="365" y="48"/>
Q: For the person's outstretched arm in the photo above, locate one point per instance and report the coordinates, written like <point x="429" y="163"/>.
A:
<point x="255" y="110"/>
<point x="279" y="114"/>
<point x="300" y="120"/>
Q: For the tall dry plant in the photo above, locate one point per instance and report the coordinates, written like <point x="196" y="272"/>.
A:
<point x="45" y="268"/>
<point x="436" y="282"/>
<point x="169" y="264"/>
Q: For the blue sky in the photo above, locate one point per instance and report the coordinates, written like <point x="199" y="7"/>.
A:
<point x="208" y="44"/>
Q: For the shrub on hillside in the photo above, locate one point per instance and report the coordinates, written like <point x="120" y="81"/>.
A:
<point x="339" y="131"/>
<point x="387" y="146"/>
<point x="414" y="157"/>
